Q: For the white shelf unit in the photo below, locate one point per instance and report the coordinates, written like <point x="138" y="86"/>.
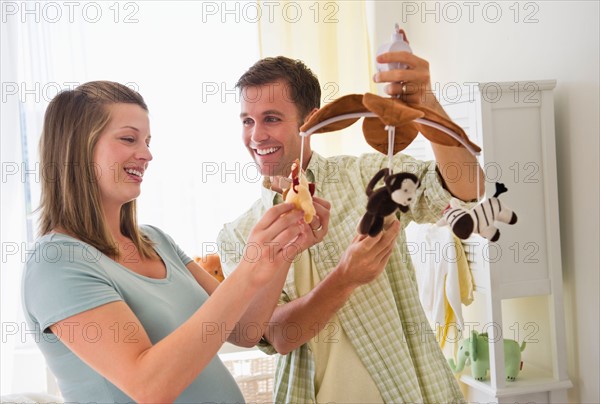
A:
<point x="513" y="122"/>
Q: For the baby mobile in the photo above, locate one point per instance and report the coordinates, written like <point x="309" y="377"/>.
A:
<point x="389" y="126"/>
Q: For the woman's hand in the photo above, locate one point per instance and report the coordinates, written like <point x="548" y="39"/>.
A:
<point x="274" y="242"/>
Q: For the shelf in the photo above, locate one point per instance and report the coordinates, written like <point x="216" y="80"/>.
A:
<point x="530" y="380"/>
<point x="518" y="278"/>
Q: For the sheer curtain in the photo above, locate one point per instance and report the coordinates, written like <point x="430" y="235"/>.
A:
<point x="33" y="68"/>
<point x="13" y="209"/>
<point x="333" y="39"/>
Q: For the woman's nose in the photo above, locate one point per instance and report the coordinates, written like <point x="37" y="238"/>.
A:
<point x="144" y="153"/>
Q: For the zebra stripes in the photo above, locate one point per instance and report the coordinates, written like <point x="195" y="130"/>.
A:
<point x="481" y="219"/>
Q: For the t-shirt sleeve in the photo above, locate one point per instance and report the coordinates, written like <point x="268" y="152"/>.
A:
<point x="159" y="233"/>
<point x="62" y="279"/>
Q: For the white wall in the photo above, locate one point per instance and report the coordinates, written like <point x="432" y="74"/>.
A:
<point x="471" y="41"/>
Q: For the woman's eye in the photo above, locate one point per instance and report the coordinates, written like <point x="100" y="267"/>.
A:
<point x="128" y="139"/>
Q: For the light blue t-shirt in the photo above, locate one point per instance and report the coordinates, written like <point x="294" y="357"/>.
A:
<point x="65" y="276"/>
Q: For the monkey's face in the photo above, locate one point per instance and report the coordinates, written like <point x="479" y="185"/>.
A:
<point x="405" y="194"/>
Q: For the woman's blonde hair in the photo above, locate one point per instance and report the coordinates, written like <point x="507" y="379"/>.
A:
<point x="70" y="198"/>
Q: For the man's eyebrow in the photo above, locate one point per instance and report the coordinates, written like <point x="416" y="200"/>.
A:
<point x="264" y="113"/>
<point x="273" y="112"/>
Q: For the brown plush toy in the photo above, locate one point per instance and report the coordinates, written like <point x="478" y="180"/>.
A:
<point x="398" y="193"/>
<point x="390" y="112"/>
<point x="211" y="263"/>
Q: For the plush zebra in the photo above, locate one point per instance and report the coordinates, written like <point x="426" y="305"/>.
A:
<point x="479" y="220"/>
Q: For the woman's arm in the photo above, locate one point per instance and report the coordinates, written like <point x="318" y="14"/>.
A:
<point x="160" y="372"/>
<point x="253" y="324"/>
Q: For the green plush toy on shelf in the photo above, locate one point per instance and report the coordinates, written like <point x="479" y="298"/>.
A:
<point x="475" y="351"/>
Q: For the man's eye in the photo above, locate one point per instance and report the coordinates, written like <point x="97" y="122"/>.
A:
<point x="247" y="122"/>
<point x="271" y="119"/>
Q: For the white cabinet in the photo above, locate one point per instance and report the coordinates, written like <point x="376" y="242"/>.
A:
<point x="513" y="122"/>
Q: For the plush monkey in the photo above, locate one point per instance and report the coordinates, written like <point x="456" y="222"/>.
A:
<point x="397" y="193"/>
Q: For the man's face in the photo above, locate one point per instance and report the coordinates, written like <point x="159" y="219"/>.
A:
<point x="271" y="123"/>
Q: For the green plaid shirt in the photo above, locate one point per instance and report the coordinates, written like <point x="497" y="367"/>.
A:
<point x="384" y="319"/>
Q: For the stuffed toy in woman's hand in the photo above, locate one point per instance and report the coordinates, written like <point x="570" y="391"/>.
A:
<point x="300" y="192"/>
<point x="397" y="193"/>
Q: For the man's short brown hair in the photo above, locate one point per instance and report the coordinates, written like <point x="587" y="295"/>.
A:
<point x="304" y="91"/>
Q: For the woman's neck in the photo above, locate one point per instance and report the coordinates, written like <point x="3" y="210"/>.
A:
<point x="112" y="219"/>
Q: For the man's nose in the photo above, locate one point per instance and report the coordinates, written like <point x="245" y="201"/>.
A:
<point x="259" y="134"/>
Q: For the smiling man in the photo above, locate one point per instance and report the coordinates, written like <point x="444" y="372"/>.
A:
<point x="349" y="325"/>
<point x="270" y="119"/>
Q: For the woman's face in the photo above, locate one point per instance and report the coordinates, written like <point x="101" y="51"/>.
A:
<point x="122" y="154"/>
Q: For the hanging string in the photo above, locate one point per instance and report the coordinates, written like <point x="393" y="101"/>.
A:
<point x="423" y="121"/>
<point x="391" y="140"/>
<point x="302" y="135"/>
<point x="477" y="197"/>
